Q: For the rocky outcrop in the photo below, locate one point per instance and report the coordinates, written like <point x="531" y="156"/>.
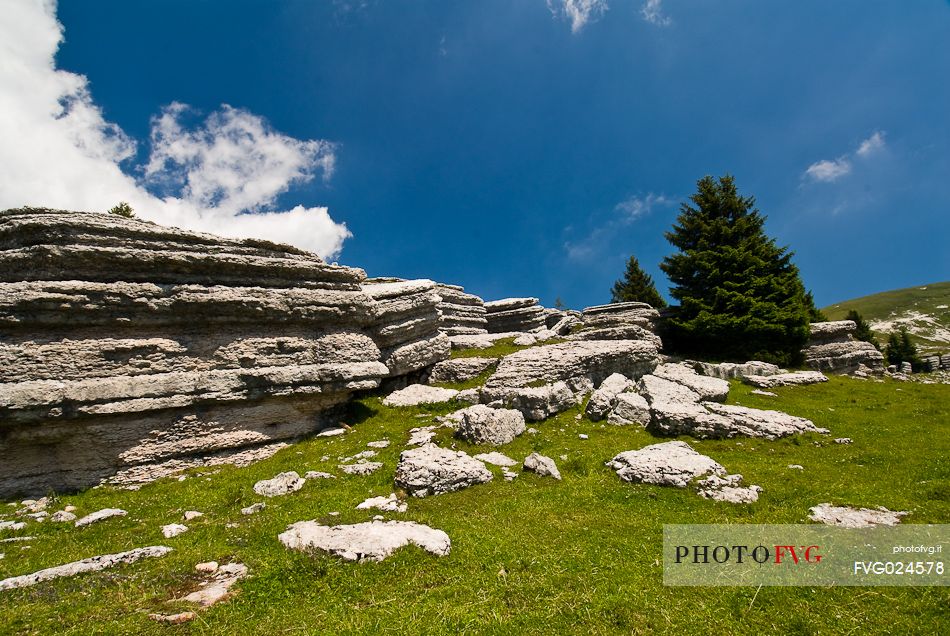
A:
<point x="729" y="370"/>
<point x="542" y="465"/>
<point x="604" y="399"/>
<point x="406" y="325"/>
<point x="130" y="350"/>
<point x="460" y="313"/>
<point x="514" y="314"/>
<point x="460" y="369"/>
<point x="619" y="321"/>
<point x="833" y="348"/>
<point x="665" y="464"/>
<point x="479" y="424"/>
<point x="591" y="361"/>
<point x="535" y="403"/>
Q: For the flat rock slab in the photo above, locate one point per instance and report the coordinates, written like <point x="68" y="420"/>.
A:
<point x="798" y="378"/>
<point x="763" y="423"/>
<point x="416" y="394"/>
<point x="594" y="360"/>
<point x="496" y="459"/>
<point x="173" y="530"/>
<point x="386" y="504"/>
<point x="480" y="424"/>
<point x="542" y="465"/>
<point x="218" y="588"/>
<point x="93" y="564"/>
<point x="282" y="484"/>
<point x="460" y="369"/>
<point x="100" y="515"/>
<point x="846" y="517"/>
<point x="371" y="541"/>
<point x="430" y="470"/>
<point x="708" y="388"/>
<point x="361" y="468"/>
<point x="481" y="340"/>
<point x="665" y="464"/>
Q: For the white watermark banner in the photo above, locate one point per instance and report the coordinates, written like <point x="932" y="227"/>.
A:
<point x="746" y="554"/>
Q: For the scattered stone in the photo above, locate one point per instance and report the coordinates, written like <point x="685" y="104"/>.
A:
<point x="333" y="431"/>
<point x="630" y="408"/>
<point x="543" y="466"/>
<point x="12" y="525"/>
<point x="173" y="619"/>
<point x="16" y="539"/>
<point x="100" y="515"/>
<point x="315" y="474"/>
<point x="362" y="468"/>
<point x="70" y="509"/>
<point x="218" y="588"/>
<point x="843" y="440"/>
<point x="253" y="508"/>
<point x="421" y="435"/>
<point x="383" y="443"/>
<point x="603" y="400"/>
<point x="532" y="431"/>
<point x="416" y="394"/>
<point x="847" y="517"/>
<point x="761" y="392"/>
<point x="583" y="436"/>
<point x="93" y="564"/>
<point x="367" y="454"/>
<point x="371" y="541"/>
<point x="480" y="424"/>
<point x="191" y="515"/>
<point x="796" y="467"/>
<point x="508" y="475"/>
<point x="430" y="470"/>
<point x="282" y="484"/>
<point x="727" y="488"/>
<point x="62" y="517"/>
<point x="797" y="378"/>
<point x="497" y="459"/>
<point x="173" y="530"/>
<point x="665" y="464"/>
<point x="209" y="567"/>
<point x="386" y="504"/>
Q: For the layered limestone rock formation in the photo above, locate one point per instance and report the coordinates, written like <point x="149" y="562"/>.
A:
<point x="406" y="324"/>
<point x="129" y="350"/>
<point x="461" y="314"/>
<point x="833" y="348"/>
<point x="514" y="314"/>
<point x="619" y="321"/>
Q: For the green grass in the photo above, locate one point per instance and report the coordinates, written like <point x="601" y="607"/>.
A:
<point x="532" y="556"/>
<point x="932" y="299"/>
<point x="499" y="349"/>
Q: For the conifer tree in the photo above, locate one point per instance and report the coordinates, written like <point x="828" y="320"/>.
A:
<point x="900" y="349"/>
<point x="740" y="295"/>
<point x="636" y="285"/>
<point x="863" y="332"/>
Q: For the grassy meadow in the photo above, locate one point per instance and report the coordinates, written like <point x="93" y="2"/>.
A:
<point x="533" y="556"/>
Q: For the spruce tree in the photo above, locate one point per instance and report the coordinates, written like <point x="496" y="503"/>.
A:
<point x="863" y="332"/>
<point x="740" y="295"/>
<point x="900" y="349"/>
<point x="636" y="285"/>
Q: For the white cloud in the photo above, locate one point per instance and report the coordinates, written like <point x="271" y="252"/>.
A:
<point x="872" y="145"/>
<point x="652" y="12"/>
<point x="578" y="12"/>
<point x="628" y="211"/>
<point x="635" y="207"/>
<point x="829" y="170"/>
<point x="58" y="150"/>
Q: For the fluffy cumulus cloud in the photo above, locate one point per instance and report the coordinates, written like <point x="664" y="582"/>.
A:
<point x="578" y="12"/>
<point x="637" y="206"/>
<point x="652" y="12"/>
<point x="830" y="170"/>
<point x="222" y="175"/>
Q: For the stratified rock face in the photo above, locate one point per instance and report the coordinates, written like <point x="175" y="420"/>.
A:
<point x="729" y="370"/>
<point x="406" y="325"/>
<point x="833" y="348"/>
<point x="461" y="313"/>
<point x="620" y="315"/>
<point x="130" y="350"/>
<point x="514" y="314"/>
<point x="460" y="369"/>
<point x="593" y="360"/>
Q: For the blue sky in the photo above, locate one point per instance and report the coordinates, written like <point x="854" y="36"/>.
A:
<point x="515" y="148"/>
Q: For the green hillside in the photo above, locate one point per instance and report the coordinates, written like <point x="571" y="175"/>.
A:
<point x="924" y="310"/>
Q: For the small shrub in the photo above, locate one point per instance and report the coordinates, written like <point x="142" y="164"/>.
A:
<point x="123" y="209"/>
